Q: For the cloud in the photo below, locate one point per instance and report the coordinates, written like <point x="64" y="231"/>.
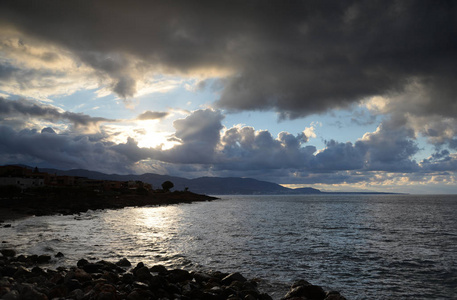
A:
<point x="30" y="109"/>
<point x="199" y="135"/>
<point x="295" y="57"/>
<point x="59" y="150"/>
<point x="152" y="115"/>
<point x="205" y="147"/>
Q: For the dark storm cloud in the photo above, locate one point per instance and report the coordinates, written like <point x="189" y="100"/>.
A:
<point x="247" y="149"/>
<point x="207" y="147"/>
<point x="60" y="150"/>
<point x="296" y="57"/>
<point x="199" y="134"/>
<point x="21" y="108"/>
<point x="152" y="115"/>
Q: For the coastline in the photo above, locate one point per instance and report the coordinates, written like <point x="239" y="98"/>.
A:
<point x="70" y="202"/>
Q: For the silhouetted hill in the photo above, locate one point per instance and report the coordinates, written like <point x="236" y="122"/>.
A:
<point x="201" y="185"/>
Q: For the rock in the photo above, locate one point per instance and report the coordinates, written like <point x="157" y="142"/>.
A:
<point x="143" y="274"/>
<point x="233" y="277"/>
<point x="123" y="263"/>
<point x="108" y="281"/>
<point x="92" y="267"/>
<point x="305" y="289"/>
<point x="334" y="295"/>
<point x="158" y="269"/>
<point x="202" y="277"/>
<point x="111" y="277"/>
<point x="178" y="275"/>
<point x="42" y="259"/>
<point x="29" y="293"/>
<point x="12" y="295"/>
<point x="82" y="262"/>
<point x="74" y="284"/>
<point x="8" y="252"/>
<point x="265" y="297"/>
<point x="81" y="275"/>
<point x="128" y="278"/>
<point x="59" y="291"/>
<point x="39" y="271"/>
<point x="8" y="270"/>
<point x="76" y="294"/>
<point x="107" y="292"/>
<point x="22" y="272"/>
<point x="59" y="254"/>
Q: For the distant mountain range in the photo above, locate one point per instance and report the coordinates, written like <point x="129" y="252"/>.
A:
<point x="202" y="185"/>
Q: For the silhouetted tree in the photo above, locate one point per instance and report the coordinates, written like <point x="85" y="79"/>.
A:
<point x="167" y="185"/>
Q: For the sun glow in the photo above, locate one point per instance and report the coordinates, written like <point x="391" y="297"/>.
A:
<point x="148" y="135"/>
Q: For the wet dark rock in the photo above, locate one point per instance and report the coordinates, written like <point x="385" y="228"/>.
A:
<point x="11" y="295"/>
<point x="227" y="280"/>
<point x="32" y="259"/>
<point x="8" y="270"/>
<point x="304" y="289"/>
<point x="76" y="294"/>
<point x="158" y="269"/>
<point x="178" y="275"/>
<point x="123" y="263"/>
<point x="39" y="271"/>
<point x="22" y="278"/>
<point x="140" y="294"/>
<point x="22" y="272"/>
<point x="8" y="252"/>
<point x="59" y="291"/>
<point x="28" y="292"/>
<point x="93" y="267"/>
<point x="80" y="275"/>
<point x="128" y="278"/>
<point x="143" y="274"/>
<point x="43" y="259"/>
<point x="265" y="296"/>
<point x="334" y="295"/>
<point x="73" y="284"/>
<point x="59" y="254"/>
<point x="202" y="277"/>
<point x="82" y="262"/>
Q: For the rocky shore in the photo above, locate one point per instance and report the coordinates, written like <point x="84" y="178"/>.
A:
<point x="24" y="278"/>
<point x="72" y="201"/>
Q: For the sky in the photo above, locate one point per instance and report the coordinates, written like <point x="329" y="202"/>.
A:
<point x="335" y="95"/>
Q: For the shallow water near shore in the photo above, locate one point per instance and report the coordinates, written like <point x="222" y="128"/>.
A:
<point x="365" y="246"/>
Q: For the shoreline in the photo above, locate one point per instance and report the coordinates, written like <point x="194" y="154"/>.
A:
<point x="68" y="203"/>
<point x="24" y="277"/>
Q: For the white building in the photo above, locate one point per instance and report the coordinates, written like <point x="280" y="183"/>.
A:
<point x="22" y="182"/>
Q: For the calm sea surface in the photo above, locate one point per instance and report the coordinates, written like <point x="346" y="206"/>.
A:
<point x="376" y="246"/>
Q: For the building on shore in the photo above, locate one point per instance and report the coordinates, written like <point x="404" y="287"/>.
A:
<point x="28" y="178"/>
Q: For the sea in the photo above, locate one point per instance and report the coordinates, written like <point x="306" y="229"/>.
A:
<point x="364" y="246"/>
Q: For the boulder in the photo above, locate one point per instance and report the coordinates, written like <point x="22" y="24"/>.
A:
<point x="178" y="275"/>
<point x="8" y="252"/>
<point x="233" y="277"/>
<point x="307" y="290"/>
<point x="124" y="263"/>
<point x="334" y="295"/>
<point x="43" y="259"/>
<point x="158" y="269"/>
<point x="143" y="274"/>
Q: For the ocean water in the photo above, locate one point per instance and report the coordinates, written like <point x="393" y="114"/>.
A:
<point x="365" y="246"/>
